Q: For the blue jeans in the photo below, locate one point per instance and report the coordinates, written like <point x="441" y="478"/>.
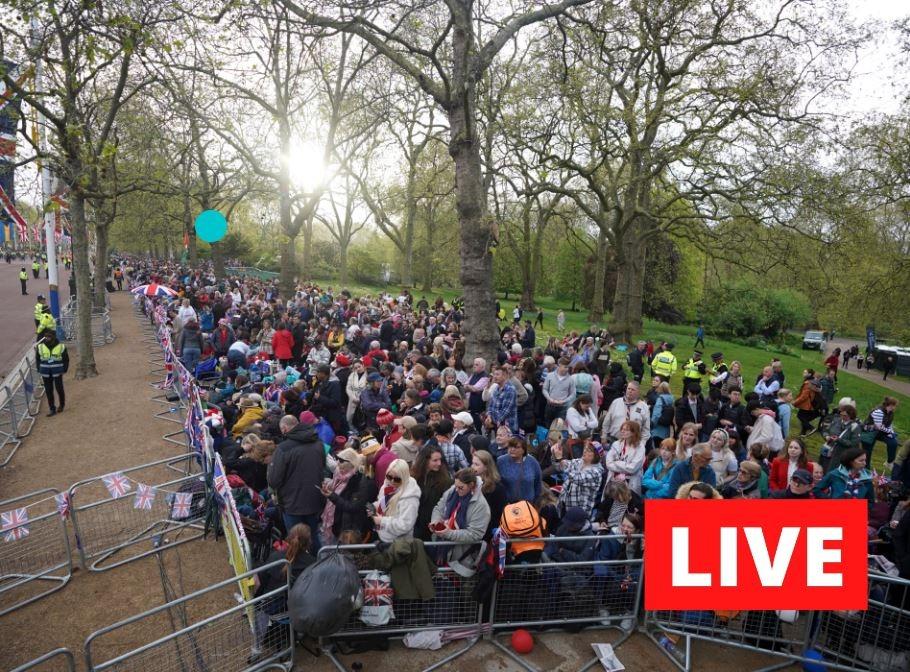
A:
<point x="313" y="520"/>
<point x="190" y="358"/>
<point x="890" y="447"/>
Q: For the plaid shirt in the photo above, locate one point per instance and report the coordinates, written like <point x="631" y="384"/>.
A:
<point x="502" y="407"/>
<point x="581" y="484"/>
<point x="454" y="457"/>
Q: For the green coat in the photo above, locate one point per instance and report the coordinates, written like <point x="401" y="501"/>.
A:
<point x="410" y="568"/>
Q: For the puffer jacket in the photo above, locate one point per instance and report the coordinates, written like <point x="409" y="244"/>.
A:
<point x="400" y="525"/>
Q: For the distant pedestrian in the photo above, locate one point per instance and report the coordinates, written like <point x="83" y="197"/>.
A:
<point x="560" y="321"/>
<point x="36" y="268"/>
<point x="23" y="280"/>
<point x="699" y="336"/>
<point x="888" y="366"/>
<point x="46" y="271"/>
<point x="53" y="362"/>
<point x="539" y="321"/>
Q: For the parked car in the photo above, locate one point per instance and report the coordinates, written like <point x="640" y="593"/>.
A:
<point x="814" y="340"/>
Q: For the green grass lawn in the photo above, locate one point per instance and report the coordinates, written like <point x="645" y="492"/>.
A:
<point x="868" y="394"/>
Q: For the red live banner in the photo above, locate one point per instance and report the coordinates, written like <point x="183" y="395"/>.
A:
<point x="753" y="554"/>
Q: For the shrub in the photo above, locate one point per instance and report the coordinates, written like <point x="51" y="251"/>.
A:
<point x="749" y="310"/>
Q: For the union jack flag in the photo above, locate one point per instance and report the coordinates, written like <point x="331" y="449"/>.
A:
<point x="63" y="504"/>
<point x="377" y="591"/>
<point x="145" y="496"/>
<point x="181" y="507"/>
<point x="14" y="524"/>
<point x="221" y="483"/>
<point x="117" y="484"/>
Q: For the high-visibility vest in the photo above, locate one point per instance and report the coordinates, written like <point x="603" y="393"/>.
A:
<point x="23" y="275"/>
<point x="39" y="311"/>
<point x="664" y="363"/>
<point x="690" y="370"/>
<point x="35" y="266"/>
<point x="51" y="359"/>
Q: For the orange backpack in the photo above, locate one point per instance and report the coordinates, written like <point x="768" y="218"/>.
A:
<point x="521" y="520"/>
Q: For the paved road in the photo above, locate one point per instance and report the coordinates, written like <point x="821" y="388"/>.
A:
<point x="875" y="375"/>
<point x="17" y="322"/>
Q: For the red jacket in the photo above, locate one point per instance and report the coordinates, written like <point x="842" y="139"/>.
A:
<point x="282" y="342"/>
<point x="777" y="479"/>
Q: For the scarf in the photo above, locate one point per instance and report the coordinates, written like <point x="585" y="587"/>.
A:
<point x="382" y="504"/>
<point x="456" y="511"/>
<point x="339" y="483"/>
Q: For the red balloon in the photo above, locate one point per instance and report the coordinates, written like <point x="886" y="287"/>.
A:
<point x="522" y="642"/>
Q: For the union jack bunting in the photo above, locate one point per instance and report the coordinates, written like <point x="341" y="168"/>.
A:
<point x="145" y="496"/>
<point x="14" y="524"/>
<point x="181" y="507"/>
<point x="117" y="484"/>
<point x="221" y="483"/>
<point x="63" y="504"/>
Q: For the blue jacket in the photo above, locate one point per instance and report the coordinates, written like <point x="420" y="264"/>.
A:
<point x="682" y="473"/>
<point x="654" y="486"/>
<point x="522" y="481"/>
<point x="661" y="431"/>
<point x="843" y="487"/>
<point x="572" y="551"/>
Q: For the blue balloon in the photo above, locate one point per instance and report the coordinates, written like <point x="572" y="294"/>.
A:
<point x="814" y="654"/>
<point x="211" y="226"/>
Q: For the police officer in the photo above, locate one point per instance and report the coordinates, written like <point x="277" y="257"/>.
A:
<point x="718" y="368"/>
<point x="23" y="279"/>
<point x="46" y="270"/>
<point x="664" y="363"/>
<point x="39" y="309"/>
<point x="53" y="362"/>
<point x="36" y="268"/>
<point x="693" y="370"/>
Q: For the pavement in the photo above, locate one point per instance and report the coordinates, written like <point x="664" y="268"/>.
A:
<point x="17" y="316"/>
<point x="900" y="386"/>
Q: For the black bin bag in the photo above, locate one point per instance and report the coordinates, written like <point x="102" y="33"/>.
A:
<point x="324" y="596"/>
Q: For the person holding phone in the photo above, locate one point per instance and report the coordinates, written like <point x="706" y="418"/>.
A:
<point x="397" y="505"/>
<point x="462" y="515"/>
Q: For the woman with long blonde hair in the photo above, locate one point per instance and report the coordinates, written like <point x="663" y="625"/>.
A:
<point x="398" y="504"/>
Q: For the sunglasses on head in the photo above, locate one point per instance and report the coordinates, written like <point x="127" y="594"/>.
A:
<point x="392" y="479"/>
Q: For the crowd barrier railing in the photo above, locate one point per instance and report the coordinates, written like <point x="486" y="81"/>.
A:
<point x="577" y="594"/>
<point x="102" y="328"/>
<point x="224" y="640"/>
<point x="109" y="529"/>
<point x="20" y="402"/>
<point x="58" y="660"/>
<point x="875" y="639"/>
<point x="35" y="555"/>
<point x="452" y="607"/>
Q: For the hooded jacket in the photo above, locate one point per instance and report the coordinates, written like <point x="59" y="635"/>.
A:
<point x="400" y="523"/>
<point x="296" y="471"/>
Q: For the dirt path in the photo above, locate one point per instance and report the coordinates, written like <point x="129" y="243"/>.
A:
<point x="875" y="375"/>
<point x="108" y="425"/>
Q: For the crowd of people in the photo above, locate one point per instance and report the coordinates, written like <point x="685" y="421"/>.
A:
<point x="358" y="418"/>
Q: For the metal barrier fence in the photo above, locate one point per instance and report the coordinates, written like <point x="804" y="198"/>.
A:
<point x="576" y="594"/>
<point x="453" y="606"/>
<point x="35" y="555"/>
<point x="107" y="526"/>
<point x="102" y="329"/>
<point x="20" y="401"/>
<point x="226" y="640"/>
<point x="58" y="660"/>
<point x="878" y="638"/>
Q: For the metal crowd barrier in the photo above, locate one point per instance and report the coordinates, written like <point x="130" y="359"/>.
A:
<point x="254" y="634"/>
<point x="58" y="660"/>
<point x="578" y="594"/>
<point x="875" y="639"/>
<point x="20" y="401"/>
<point x="111" y="532"/>
<point x="102" y="329"/>
<point x="452" y="607"/>
<point x="35" y="555"/>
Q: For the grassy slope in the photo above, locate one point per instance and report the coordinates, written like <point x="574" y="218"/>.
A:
<point x="866" y="393"/>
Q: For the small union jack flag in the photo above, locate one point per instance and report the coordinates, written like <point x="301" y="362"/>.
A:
<point x="14" y="524"/>
<point x="377" y="592"/>
<point x="117" y="484"/>
<point x="63" y="504"/>
<point x="181" y="508"/>
<point x="145" y="496"/>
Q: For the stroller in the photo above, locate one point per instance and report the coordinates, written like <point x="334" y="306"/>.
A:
<point x="207" y="373"/>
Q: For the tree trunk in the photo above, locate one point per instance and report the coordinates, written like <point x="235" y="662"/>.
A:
<point x="85" y="367"/>
<point x="596" y="314"/>
<point x="407" y="256"/>
<point x="479" y="326"/>
<point x="427" y="285"/>
<point x="343" y="264"/>
<point x="630" y="278"/>
<point x="192" y="250"/>
<point x="288" y="266"/>
<point x="101" y="265"/>
<point x="306" y="267"/>
<point x="218" y="260"/>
